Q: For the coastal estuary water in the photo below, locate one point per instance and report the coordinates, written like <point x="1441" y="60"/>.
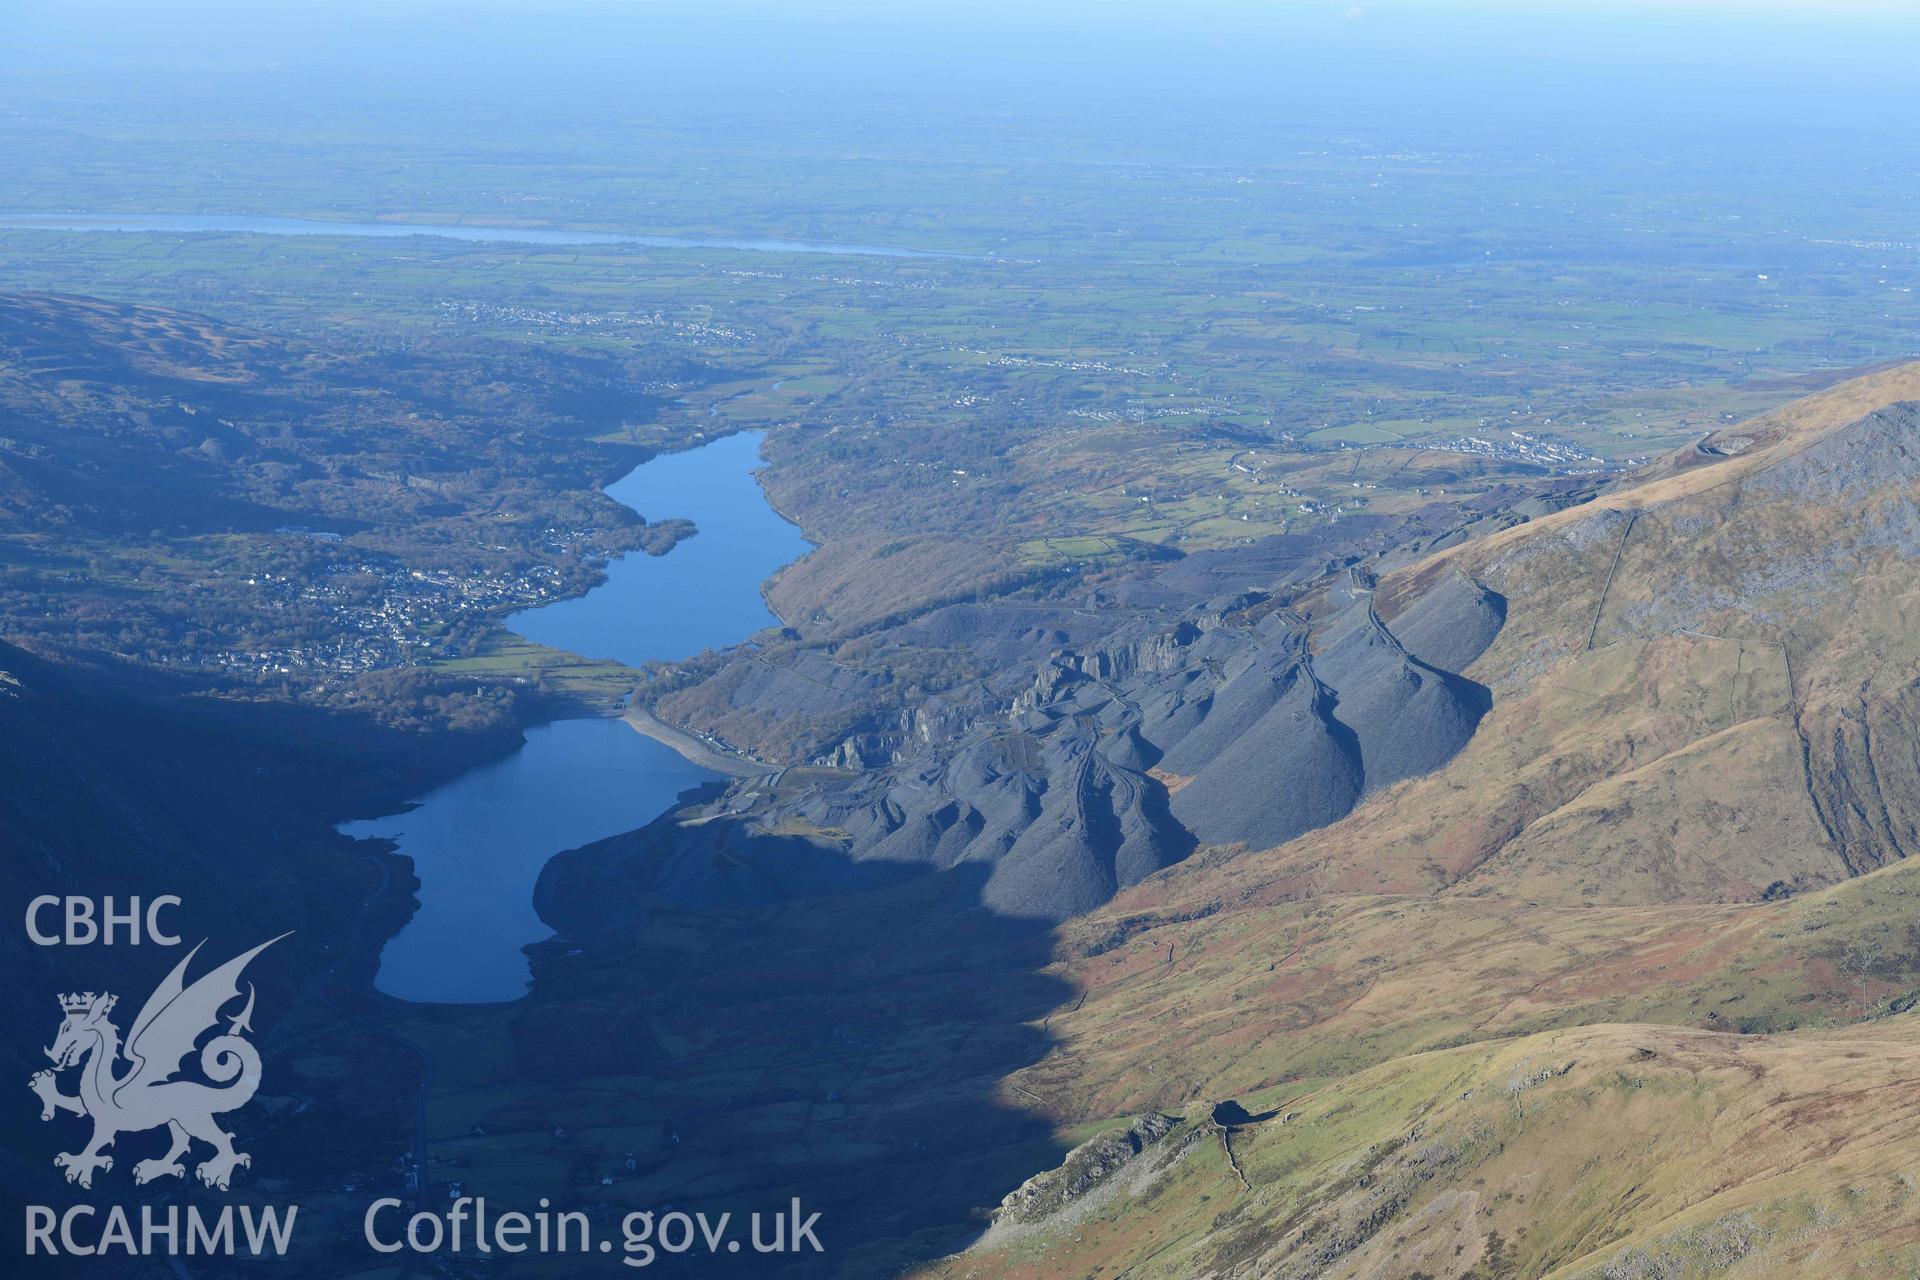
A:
<point x="478" y="843"/>
<point x="190" y="223"/>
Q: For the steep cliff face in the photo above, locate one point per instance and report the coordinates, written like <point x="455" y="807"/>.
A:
<point x="1763" y="607"/>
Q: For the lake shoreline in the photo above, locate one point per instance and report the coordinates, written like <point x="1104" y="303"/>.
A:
<point x="695" y="749"/>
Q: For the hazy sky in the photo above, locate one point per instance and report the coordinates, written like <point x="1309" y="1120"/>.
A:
<point x="181" y="24"/>
<point x="1761" y="73"/>
<point x="180" y="35"/>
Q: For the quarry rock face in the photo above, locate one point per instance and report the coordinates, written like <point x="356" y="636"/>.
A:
<point x="1238" y="721"/>
<point x="1288" y="769"/>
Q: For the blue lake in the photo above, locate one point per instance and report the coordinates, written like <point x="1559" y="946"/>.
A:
<point x="703" y="594"/>
<point x="192" y="223"/>
<point x="478" y="843"/>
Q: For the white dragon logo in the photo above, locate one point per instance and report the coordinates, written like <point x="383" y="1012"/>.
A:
<point x="174" y="1017"/>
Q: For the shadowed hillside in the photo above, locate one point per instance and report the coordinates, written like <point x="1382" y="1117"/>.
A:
<point x="120" y="784"/>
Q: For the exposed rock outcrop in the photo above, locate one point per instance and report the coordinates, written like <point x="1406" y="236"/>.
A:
<point x="1088" y="1168"/>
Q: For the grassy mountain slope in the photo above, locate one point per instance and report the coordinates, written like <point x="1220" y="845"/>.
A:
<point x="1606" y="1151"/>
